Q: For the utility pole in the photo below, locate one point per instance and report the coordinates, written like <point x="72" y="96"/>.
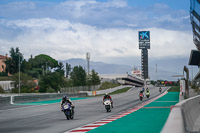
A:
<point x="46" y="67"/>
<point x="43" y="70"/>
<point x="192" y="73"/>
<point x="156" y="75"/>
<point x="19" y="72"/>
<point x="88" y="62"/>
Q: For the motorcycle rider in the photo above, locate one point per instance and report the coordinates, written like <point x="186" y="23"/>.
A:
<point x="106" y="96"/>
<point x="147" y="92"/>
<point x="160" y="89"/>
<point x="65" y="99"/>
<point x="143" y="89"/>
<point x="141" y="94"/>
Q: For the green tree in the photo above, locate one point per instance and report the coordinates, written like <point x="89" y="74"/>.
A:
<point x="51" y="81"/>
<point x="60" y="68"/>
<point x="43" y="61"/>
<point x="39" y="65"/>
<point x="93" y="79"/>
<point x="12" y="64"/>
<point x="68" y="69"/>
<point x="26" y="83"/>
<point x="78" y="76"/>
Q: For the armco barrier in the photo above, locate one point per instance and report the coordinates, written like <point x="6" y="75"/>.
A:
<point x="40" y="97"/>
<point x="183" y="117"/>
<point x="4" y="100"/>
<point x="99" y="92"/>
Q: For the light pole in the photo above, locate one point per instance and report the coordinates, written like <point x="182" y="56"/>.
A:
<point x="43" y="70"/>
<point x="19" y="73"/>
<point x="88" y="62"/>
<point x="156" y="75"/>
<point x="46" y="67"/>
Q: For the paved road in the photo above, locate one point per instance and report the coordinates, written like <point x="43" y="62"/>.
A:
<point x="49" y="118"/>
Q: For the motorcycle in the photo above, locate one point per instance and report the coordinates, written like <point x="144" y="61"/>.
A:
<point x="160" y="90"/>
<point x="107" y="104"/>
<point x="147" y="95"/>
<point x="141" y="96"/>
<point x="68" y="111"/>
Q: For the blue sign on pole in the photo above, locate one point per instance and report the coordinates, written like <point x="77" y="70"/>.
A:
<point x="144" y="36"/>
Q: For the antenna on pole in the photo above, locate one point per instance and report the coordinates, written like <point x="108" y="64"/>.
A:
<point x="88" y="61"/>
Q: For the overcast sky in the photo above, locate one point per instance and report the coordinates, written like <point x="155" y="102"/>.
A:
<point x="108" y="29"/>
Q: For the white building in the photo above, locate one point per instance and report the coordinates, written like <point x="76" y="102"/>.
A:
<point x="7" y="85"/>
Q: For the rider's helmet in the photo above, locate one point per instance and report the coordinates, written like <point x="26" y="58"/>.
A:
<point x="65" y="98"/>
<point x="106" y="93"/>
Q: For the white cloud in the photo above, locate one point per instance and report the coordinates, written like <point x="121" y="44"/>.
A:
<point x="62" y="39"/>
<point x="107" y="14"/>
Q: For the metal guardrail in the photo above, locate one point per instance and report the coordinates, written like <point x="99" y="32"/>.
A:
<point x="79" y="88"/>
<point x="36" y="97"/>
<point x="99" y="92"/>
<point x="4" y="100"/>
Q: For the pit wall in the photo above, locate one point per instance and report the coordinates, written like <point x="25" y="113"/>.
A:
<point x="184" y="117"/>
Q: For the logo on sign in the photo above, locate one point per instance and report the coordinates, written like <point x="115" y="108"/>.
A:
<point x="144" y="36"/>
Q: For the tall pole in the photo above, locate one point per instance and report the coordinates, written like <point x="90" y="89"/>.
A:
<point x="19" y="73"/>
<point x="43" y="70"/>
<point x="156" y="74"/>
<point x="88" y="62"/>
<point x="46" y="67"/>
<point x="192" y="73"/>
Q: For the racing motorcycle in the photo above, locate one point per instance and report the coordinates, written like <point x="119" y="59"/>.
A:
<point x="107" y="104"/>
<point x="68" y="111"/>
<point x="141" y="96"/>
<point x="147" y="94"/>
<point x="160" y="90"/>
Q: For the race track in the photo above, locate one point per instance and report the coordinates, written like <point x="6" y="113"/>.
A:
<point x="49" y="118"/>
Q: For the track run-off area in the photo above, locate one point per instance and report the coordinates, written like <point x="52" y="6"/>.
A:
<point x="128" y="115"/>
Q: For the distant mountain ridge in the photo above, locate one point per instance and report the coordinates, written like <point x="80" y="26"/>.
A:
<point x="100" y="67"/>
<point x="105" y="68"/>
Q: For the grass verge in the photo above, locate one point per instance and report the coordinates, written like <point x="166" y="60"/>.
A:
<point x="107" y="85"/>
<point x="174" y="89"/>
<point x="120" y="91"/>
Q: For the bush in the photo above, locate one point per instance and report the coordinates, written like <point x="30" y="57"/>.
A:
<point x="15" y="90"/>
<point x="3" y="74"/>
<point x="50" y="90"/>
<point x="22" y="90"/>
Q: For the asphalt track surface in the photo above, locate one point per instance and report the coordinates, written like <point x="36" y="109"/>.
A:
<point x="49" y="118"/>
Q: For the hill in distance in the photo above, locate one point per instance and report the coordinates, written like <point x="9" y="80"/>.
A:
<point x="105" y="68"/>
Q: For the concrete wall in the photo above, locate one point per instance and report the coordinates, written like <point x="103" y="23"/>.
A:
<point x="184" y="117"/>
